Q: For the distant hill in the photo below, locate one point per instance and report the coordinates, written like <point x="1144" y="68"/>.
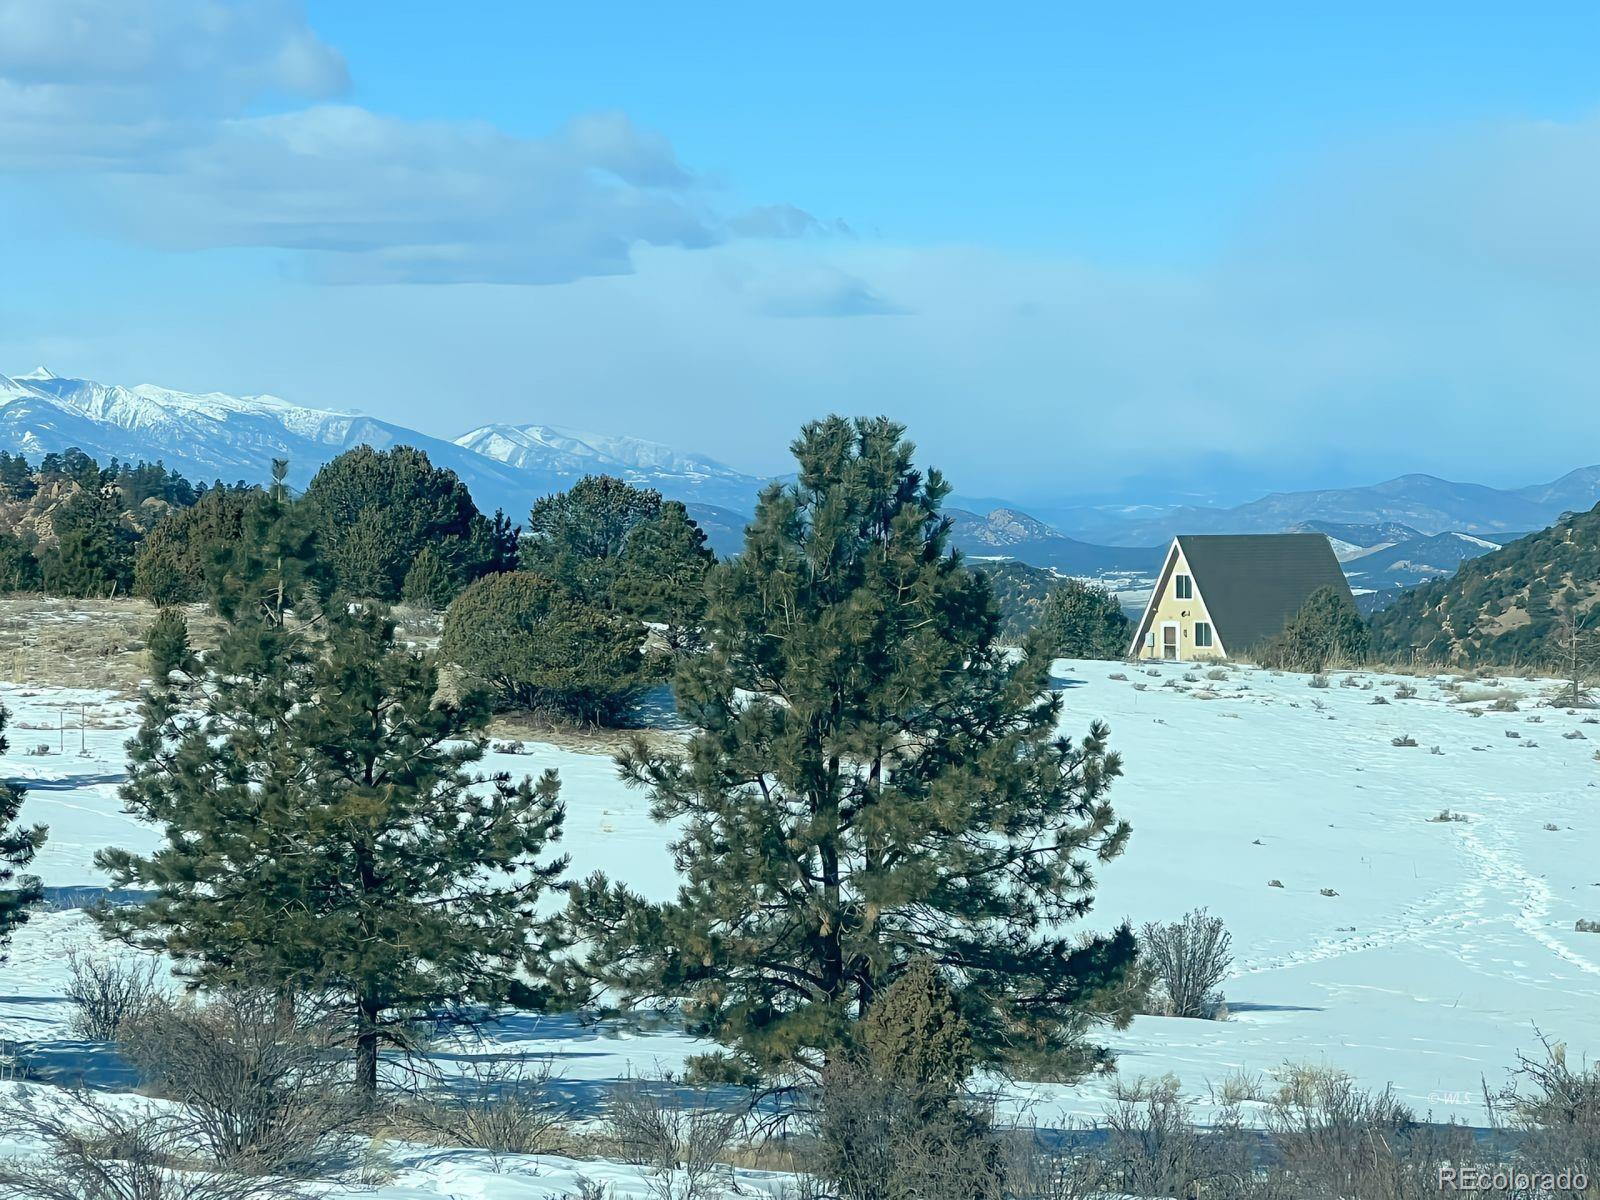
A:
<point x="1351" y="541"/>
<point x="1019" y="592"/>
<point x="1424" y="503"/>
<point x="1416" y="560"/>
<point x="1007" y="533"/>
<point x="1498" y="608"/>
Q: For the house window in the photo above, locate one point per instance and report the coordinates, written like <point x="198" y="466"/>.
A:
<point x="1202" y="633"/>
<point x="1183" y="587"/>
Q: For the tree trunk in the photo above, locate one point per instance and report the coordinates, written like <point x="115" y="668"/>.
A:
<point x="367" y="1050"/>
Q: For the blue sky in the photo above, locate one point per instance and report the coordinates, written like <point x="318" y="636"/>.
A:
<point x="1175" y="252"/>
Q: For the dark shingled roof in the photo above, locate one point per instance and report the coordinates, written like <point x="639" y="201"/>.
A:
<point x="1253" y="583"/>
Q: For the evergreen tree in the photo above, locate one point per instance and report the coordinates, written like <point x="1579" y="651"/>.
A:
<point x="326" y="834"/>
<point x="1019" y="593"/>
<point x="875" y="780"/>
<point x="168" y="645"/>
<point x="170" y="564"/>
<point x="17" y="848"/>
<point x="1327" y="629"/>
<point x="662" y="575"/>
<point x="273" y="567"/>
<point x="377" y="509"/>
<point x="429" y="582"/>
<point x="1084" y="620"/>
<point x="16" y="476"/>
<point x="623" y="549"/>
<point x="891" y="1119"/>
<point x="576" y="537"/>
<point x="93" y="555"/>
<point x="535" y="646"/>
<point x="492" y="546"/>
<point x="19" y="569"/>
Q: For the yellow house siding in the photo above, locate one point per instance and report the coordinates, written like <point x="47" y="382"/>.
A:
<point x="1166" y="609"/>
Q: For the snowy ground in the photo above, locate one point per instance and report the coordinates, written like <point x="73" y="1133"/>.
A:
<point x="1445" y="946"/>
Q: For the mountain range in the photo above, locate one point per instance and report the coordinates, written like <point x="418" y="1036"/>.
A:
<point x="213" y="435"/>
<point x="1425" y="503"/>
<point x="1394" y="533"/>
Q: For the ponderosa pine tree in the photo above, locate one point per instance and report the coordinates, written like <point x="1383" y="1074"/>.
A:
<point x="274" y="568"/>
<point x="19" y="569"/>
<point x="1084" y="620"/>
<point x="326" y="833"/>
<point x="429" y="583"/>
<point x="93" y="554"/>
<point x="18" y="845"/>
<point x="622" y="549"/>
<point x="377" y="509"/>
<point x="662" y="576"/>
<point x="875" y="781"/>
<point x="577" y="537"/>
<point x="1326" y="630"/>
<point x="170" y="564"/>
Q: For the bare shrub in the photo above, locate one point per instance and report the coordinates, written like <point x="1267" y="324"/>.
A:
<point x="1554" y="1108"/>
<point x="1154" y="1148"/>
<point x="681" y="1141"/>
<point x="502" y="1105"/>
<point x="1237" y="1088"/>
<point x="1333" y="1140"/>
<point x="1042" y="1167"/>
<point x="93" y="1150"/>
<point x="1585" y="925"/>
<point x="265" y="1089"/>
<point x="1188" y="959"/>
<point x="1317" y="681"/>
<point x="1405" y="692"/>
<point x="109" y="989"/>
<point x="1446" y="815"/>
<point x="1403" y="740"/>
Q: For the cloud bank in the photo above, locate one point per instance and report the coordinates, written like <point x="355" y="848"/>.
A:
<point x="146" y="113"/>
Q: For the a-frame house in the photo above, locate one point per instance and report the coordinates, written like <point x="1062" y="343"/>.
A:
<point x="1221" y="594"/>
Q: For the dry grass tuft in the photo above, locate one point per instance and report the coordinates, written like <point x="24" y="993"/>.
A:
<point x="47" y="641"/>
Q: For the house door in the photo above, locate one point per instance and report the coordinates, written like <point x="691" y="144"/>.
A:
<point x="1169" y="641"/>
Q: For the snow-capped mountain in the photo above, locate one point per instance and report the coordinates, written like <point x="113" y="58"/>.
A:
<point x="214" y="435"/>
<point x="676" y="473"/>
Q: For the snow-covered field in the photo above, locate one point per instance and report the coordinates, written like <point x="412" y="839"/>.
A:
<point x="1442" y="949"/>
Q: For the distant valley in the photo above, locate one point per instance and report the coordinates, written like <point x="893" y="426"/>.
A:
<point x="1391" y="535"/>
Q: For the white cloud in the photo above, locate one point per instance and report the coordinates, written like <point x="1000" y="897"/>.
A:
<point x="139" y="113"/>
<point x="375" y="199"/>
<point x="119" y="83"/>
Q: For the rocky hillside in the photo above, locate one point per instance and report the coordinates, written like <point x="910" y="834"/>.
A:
<point x="1007" y="533"/>
<point x="1498" y="608"/>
